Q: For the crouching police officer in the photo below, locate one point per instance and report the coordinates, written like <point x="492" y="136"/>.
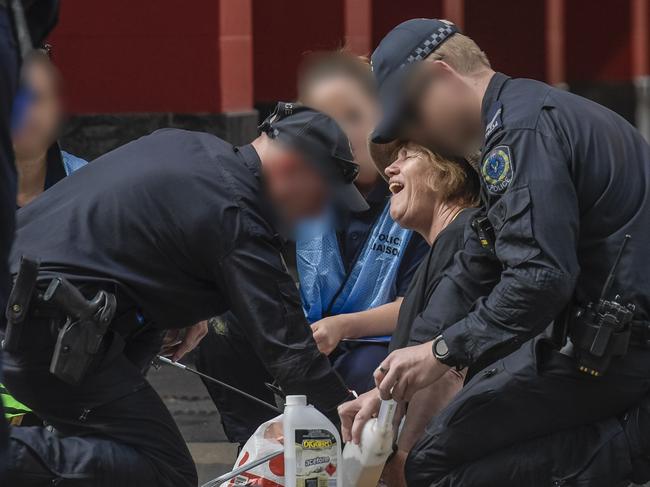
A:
<point x="564" y="181"/>
<point x="161" y="233"/>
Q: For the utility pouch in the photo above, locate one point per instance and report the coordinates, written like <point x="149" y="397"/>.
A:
<point x="80" y="338"/>
<point x="600" y="333"/>
<point x="18" y="304"/>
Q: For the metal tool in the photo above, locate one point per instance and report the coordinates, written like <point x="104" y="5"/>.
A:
<point x="178" y="365"/>
<point x="244" y="468"/>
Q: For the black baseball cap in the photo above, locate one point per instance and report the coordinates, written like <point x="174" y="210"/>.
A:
<point x="393" y="60"/>
<point x="321" y="142"/>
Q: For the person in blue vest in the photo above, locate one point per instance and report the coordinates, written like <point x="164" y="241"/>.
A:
<point x="354" y="267"/>
<point x="40" y="162"/>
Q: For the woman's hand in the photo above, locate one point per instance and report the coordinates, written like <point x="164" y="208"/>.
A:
<point x="328" y="332"/>
<point x="406" y="371"/>
<point x="355" y="414"/>
<point x="177" y="347"/>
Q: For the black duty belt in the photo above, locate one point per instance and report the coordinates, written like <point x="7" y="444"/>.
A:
<point x="82" y="322"/>
<point x="640" y="333"/>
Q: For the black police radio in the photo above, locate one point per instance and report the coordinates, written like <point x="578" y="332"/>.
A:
<point x="602" y="331"/>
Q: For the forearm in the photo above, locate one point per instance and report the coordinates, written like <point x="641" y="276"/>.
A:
<point x="372" y="322"/>
<point x="520" y="307"/>
<point x="427" y="403"/>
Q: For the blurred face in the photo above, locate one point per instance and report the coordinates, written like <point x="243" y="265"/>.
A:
<point x="414" y="199"/>
<point x="41" y="124"/>
<point x="446" y="113"/>
<point x="296" y="187"/>
<point x="345" y="100"/>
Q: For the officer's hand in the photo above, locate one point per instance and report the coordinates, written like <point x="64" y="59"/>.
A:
<point x="193" y="336"/>
<point x="328" y="332"/>
<point x="355" y="414"/>
<point x="406" y="371"/>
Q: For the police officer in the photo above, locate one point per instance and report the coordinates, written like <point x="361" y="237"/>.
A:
<point x="35" y="20"/>
<point x="161" y="233"/>
<point x="564" y="181"/>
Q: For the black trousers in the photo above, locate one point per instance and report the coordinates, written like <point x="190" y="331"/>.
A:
<point x="111" y="430"/>
<point x="532" y="420"/>
<point x="8" y="81"/>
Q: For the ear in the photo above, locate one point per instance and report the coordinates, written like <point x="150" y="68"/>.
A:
<point x="441" y="68"/>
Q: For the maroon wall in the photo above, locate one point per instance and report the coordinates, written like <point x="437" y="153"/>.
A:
<point x="139" y="56"/>
<point x="221" y="55"/>
<point x="598" y="46"/>
<point x="284" y="30"/>
<point x="511" y="32"/>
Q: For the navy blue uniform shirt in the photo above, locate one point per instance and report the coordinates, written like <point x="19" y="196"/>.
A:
<point x="179" y="221"/>
<point x="356" y="227"/>
<point x="564" y="180"/>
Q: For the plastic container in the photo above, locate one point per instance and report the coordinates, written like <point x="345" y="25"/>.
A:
<point x="312" y="446"/>
<point x="363" y="463"/>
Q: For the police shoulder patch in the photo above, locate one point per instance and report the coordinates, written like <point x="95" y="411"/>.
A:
<point x="497" y="169"/>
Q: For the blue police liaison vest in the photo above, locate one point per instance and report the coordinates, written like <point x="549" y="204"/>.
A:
<point x="71" y="163"/>
<point x="325" y="287"/>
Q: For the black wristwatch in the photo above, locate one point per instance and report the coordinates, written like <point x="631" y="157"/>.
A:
<point x="440" y="348"/>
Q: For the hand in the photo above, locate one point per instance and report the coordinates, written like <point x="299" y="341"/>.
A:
<point x="355" y="414"/>
<point x="178" y="347"/>
<point x="406" y="371"/>
<point x="328" y="332"/>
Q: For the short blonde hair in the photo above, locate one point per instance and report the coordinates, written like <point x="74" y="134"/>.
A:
<point x="462" y="54"/>
<point x="453" y="178"/>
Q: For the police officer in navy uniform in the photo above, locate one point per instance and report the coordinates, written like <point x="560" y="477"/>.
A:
<point x="163" y="232"/>
<point x="39" y="18"/>
<point x="564" y="182"/>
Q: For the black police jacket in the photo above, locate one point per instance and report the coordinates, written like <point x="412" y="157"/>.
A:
<point x="179" y="222"/>
<point x="564" y="180"/>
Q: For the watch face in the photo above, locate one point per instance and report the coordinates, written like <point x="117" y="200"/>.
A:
<point x="441" y="348"/>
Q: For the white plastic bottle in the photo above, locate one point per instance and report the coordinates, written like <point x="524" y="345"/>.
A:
<point x="312" y="446"/>
<point x="363" y="463"/>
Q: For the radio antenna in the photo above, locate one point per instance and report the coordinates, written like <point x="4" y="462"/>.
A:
<point x="610" y="278"/>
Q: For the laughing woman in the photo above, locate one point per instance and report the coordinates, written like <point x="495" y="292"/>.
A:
<point x="435" y="197"/>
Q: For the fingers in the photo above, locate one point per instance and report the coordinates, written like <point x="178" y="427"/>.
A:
<point x="192" y="338"/>
<point x="367" y="411"/>
<point x="389" y="381"/>
<point x="379" y="373"/>
<point x="401" y="390"/>
<point x="319" y="338"/>
<point x="347" y="412"/>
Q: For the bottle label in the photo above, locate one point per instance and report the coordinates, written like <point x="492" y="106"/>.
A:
<point x="316" y="458"/>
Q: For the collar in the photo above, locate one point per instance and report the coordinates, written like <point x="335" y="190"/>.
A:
<point x="490" y="99"/>
<point x="55" y="169"/>
<point x="250" y="158"/>
<point x="253" y="163"/>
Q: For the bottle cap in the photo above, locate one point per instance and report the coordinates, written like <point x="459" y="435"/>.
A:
<point x="296" y="401"/>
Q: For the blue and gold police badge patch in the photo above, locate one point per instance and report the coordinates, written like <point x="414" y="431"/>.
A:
<point x="497" y="169"/>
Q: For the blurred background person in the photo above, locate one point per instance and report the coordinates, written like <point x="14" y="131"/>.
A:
<point x="436" y="197"/>
<point x="22" y="24"/>
<point x="353" y="268"/>
<point x="40" y="162"/>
